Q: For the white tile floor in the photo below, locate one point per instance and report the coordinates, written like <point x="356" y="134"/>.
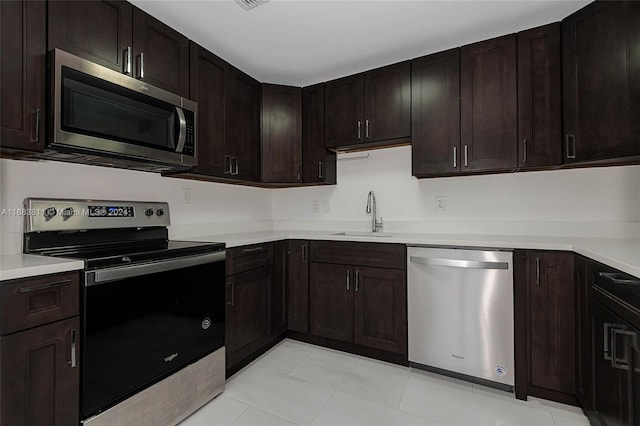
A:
<point x="300" y="384"/>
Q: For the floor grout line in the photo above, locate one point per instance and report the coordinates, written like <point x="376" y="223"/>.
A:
<point x="323" y="407"/>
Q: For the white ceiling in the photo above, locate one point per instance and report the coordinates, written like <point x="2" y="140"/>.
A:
<point x="308" y="41"/>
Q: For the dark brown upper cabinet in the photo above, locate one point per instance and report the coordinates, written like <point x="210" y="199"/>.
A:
<point x="119" y="36"/>
<point x="369" y="108"/>
<point x="22" y="80"/>
<point x="242" y="158"/>
<point x="318" y="163"/>
<point x="601" y="88"/>
<point x="281" y="134"/>
<point x="435" y="113"/>
<point x="488" y="115"/>
<point x="161" y="54"/>
<point x="539" y="97"/>
<point x="209" y="75"/>
<point x="100" y="31"/>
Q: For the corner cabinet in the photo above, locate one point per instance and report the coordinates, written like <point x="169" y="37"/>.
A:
<point x="40" y="350"/>
<point x="357" y="294"/>
<point x="601" y="88"/>
<point x="22" y="80"/>
<point x="281" y="134"/>
<point x="369" y="108"/>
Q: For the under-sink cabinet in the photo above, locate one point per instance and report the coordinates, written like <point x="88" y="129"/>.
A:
<point x="357" y="294"/>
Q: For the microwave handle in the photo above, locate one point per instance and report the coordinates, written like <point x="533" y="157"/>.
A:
<point x="182" y="136"/>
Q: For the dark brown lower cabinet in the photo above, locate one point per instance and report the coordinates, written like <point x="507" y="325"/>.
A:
<point x="279" y="312"/>
<point x="248" y="307"/>
<point x="380" y="308"/>
<point x="331" y="301"/>
<point x="38" y="382"/>
<point x="552" y="367"/>
<point x="584" y="366"/>
<point x="298" y="285"/>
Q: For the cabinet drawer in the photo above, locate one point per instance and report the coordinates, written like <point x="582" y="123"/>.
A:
<point x="27" y="303"/>
<point x="245" y="258"/>
<point x="364" y="254"/>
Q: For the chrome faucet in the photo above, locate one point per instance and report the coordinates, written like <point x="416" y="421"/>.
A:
<point x="371" y="208"/>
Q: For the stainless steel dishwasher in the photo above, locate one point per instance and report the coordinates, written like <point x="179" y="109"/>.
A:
<point x="460" y="312"/>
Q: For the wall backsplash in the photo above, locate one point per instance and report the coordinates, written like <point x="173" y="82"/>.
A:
<point x="592" y="201"/>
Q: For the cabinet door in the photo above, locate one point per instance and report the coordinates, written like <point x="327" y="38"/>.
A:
<point x="612" y="385"/>
<point x="387" y="102"/>
<point x="552" y="318"/>
<point x="242" y="126"/>
<point x="281" y="134"/>
<point x="539" y="108"/>
<point x="344" y="111"/>
<point x="279" y="312"/>
<point x="435" y="127"/>
<point x="208" y="77"/>
<point x="99" y="31"/>
<point x="380" y="309"/>
<point x="331" y="301"/>
<point x="318" y="163"/>
<point x="38" y="383"/>
<point x="601" y="87"/>
<point x="248" y="306"/>
<point x="298" y="285"/>
<point x="488" y="104"/>
<point x="22" y="54"/>
<point x="161" y="54"/>
<point x="584" y="367"/>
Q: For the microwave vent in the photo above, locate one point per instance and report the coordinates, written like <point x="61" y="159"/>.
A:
<point x="250" y="4"/>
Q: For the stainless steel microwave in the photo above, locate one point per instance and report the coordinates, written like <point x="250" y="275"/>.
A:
<point x="100" y="116"/>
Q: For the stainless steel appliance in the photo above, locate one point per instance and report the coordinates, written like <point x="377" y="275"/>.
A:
<point x="460" y="313"/>
<point x="102" y="117"/>
<point x="151" y="307"/>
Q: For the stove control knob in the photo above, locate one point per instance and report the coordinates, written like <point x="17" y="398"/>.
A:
<point x="67" y="213"/>
<point x="160" y="212"/>
<point x="49" y="213"/>
<point x="148" y="212"/>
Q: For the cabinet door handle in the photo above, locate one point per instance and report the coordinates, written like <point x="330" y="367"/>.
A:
<point x="357" y="280"/>
<point x="366" y="129"/>
<point x="320" y="169"/>
<point x="455" y="157"/>
<point x="466" y="156"/>
<point x="299" y="175"/>
<point x="359" y="130"/>
<point x="606" y="340"/>
<point x="126" y="64"/>
<point x="73" y="348"/>
<point x="254" y="249"/>
<point x="620" y="363"/>
<point x="37" y="114"/>
<point x="304" y="253"/>
<point x="141" y="66"/>
<point x="227" y="161"/>
<point x="570" y="142"/>
<point x="537" y="271"/>
<point x="348" y="279"/>
<point x="524" y="149"/>
<point x="233" y="288"/>
<point x="235" y="160"/>
<point x="44" y="286"/>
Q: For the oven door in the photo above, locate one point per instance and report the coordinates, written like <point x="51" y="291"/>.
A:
<point x="143" y="322"/>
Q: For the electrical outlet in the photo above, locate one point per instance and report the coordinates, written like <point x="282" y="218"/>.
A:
<point x="186" y="195"/>
<point x="441" y="203"/>
<point x="326" y="206"/>
<point x="315" y="206"/>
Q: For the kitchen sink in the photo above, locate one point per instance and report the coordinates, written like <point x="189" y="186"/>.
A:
<point x="364" y="234"/>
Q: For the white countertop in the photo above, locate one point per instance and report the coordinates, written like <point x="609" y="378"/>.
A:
<point x="14" y="266"/>
<point x="622" y="254"/>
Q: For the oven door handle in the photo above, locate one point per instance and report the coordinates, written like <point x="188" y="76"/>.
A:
<point x="121" y="272"/>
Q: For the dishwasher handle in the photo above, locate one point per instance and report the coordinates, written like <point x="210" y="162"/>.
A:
<point x="457" y="263"/>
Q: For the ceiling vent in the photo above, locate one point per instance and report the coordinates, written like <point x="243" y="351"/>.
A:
<point x="250" y="4"/>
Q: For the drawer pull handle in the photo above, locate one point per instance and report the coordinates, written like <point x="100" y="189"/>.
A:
<point x="357" y="280"/>
<point x="73" y="348"/>
<point x="348" y="276"/>
<point x="251" y="250"/>
<point x="44" y="286"/>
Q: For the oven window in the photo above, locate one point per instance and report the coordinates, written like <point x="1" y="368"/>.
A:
<point x="95" y="107"/>
<point x="139" y="330"/>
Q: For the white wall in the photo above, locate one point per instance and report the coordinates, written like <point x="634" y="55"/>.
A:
<point x="580" y="199"/>
<point x="215" y="208"/>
